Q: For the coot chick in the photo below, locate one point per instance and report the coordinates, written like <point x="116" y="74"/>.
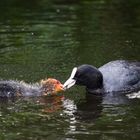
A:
<point x="19" y="88"/>
<point x="119" y="76"/>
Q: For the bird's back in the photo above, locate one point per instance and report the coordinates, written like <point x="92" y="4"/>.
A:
<point x="121" y="75"/>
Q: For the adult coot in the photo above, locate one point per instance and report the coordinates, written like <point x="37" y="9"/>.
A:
<point x="116" y="76"/>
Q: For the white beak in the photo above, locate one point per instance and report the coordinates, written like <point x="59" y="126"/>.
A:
<point x="70" y="82"/>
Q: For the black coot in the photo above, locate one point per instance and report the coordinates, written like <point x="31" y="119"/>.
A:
<point x="117" y="76"/>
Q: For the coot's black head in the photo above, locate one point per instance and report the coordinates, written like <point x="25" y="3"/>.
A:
<point x="85" y="75"/>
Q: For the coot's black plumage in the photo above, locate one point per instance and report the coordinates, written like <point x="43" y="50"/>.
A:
<point x="116" y="76"/>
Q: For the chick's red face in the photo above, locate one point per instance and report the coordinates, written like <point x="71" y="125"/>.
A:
<point x="58" y="86"/>
<point x="52" y="86"/>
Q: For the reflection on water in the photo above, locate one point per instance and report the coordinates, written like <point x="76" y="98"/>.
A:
<point x="51" y="104"/>
<point x="66" y="119"/>
<point x="47" y="38"/>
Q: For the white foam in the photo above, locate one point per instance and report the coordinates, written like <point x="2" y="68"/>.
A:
<point x="134" y="95"/>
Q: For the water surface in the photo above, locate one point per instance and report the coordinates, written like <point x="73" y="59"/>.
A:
<point x="47" y="38"/>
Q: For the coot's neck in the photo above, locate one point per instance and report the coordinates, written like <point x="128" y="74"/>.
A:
<point x="96" y="83"/>
<point x="98" y="92"/>
<point x="98" y="87"/>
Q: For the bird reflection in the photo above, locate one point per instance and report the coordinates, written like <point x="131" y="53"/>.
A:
<point x="51" y="103"/>
<point x="90" y="108"/>
<point x="4" y="101"/>
<point x="86" y="110"/>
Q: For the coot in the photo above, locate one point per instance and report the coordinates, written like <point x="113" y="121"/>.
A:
<point x="118" y="76"/>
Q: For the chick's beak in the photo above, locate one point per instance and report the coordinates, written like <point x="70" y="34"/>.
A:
<point x="59" y="88"/>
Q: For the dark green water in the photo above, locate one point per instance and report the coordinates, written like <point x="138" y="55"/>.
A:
<point x="45" y="38"/>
